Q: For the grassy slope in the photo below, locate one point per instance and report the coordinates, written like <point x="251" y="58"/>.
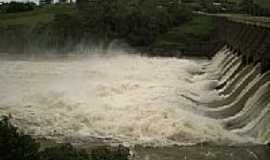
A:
<point x="190" y="33"/>
<point x="33" y="17"/>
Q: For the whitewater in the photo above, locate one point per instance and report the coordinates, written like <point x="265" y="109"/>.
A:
<point x="114" y="98"/>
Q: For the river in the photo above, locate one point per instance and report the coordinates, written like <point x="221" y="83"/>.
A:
<point x="117" y="97"/>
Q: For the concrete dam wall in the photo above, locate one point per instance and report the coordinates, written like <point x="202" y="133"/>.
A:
<point x="247" y="38"/>
<point x="244" y="78"/>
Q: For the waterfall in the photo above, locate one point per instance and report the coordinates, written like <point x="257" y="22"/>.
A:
<point x="231" y="84"/>
<point x="238" y="102"/>
<point x="245" y="106"/>
<point x="227" y="99"/>
<point x="229" y="68"/>
<point x="231" y="73"/>
<point x="259" y="127"/>
<point x="253" y="108"/>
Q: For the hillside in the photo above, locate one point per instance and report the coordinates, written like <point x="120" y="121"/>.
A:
<point x="29" y="18"/>
<point x="264" y="3"/>
<point x="187" y="37"/>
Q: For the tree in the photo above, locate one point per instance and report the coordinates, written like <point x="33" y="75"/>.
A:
<point x="14" y="7"/>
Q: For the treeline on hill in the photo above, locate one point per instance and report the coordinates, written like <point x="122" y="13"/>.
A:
<point x="137" y="22"/>
<point x="17" y="146"/>
<point x="14" y="7"/>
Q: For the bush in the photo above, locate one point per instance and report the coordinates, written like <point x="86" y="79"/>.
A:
<point x="64" y="31"/>
<point x="14" y="145"/>
<point x="61" y="34"/>
<point x="138" y="22"/>
<point x="17" y="146"/>
<point x="145" y="25"/>
<point x="14" y="7"/>
<point x="180" y="14"/>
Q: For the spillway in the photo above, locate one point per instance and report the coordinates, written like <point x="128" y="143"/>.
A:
<point x="244" y="104"/>
<point x="255" y="105"/>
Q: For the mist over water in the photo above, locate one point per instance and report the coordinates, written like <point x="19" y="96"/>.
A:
<point x="116" y="97"/>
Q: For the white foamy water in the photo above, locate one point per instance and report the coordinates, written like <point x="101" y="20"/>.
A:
<point x="118" y="97"/>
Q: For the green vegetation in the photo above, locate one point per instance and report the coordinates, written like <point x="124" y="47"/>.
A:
<point x="264" y="3"/>
<point x="141" y="23"/>
<point x="14" y="7"/>
<point x="62" y="27"/>
<point x="137" y="22"/>
<point x="183" y="37"/>
<point x="38" y="15"/>
<point x="46" y="28"/>
<point x="14" y="145"/>
<point x="17" y="146"/>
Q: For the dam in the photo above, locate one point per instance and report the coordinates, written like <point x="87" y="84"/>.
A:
<point x="149" y="104"/>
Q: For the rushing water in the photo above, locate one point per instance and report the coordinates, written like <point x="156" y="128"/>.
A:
<point x="115" y="97"/>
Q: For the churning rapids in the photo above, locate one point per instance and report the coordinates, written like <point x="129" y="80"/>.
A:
<point x="116" y="97"/>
